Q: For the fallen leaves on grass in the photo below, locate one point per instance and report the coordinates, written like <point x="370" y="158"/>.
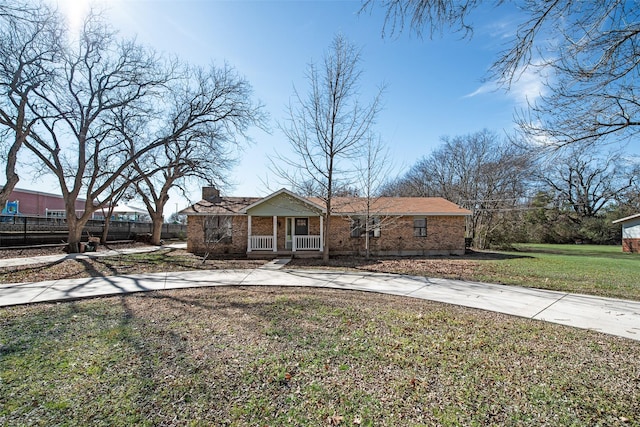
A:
<point x="151" y="262"/>
<point x="273" y="356"/>
<point x="335" y="420"/>
<point x="434" y="267"/>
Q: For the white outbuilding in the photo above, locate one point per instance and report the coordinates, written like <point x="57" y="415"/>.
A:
<point x="630" y="233"/>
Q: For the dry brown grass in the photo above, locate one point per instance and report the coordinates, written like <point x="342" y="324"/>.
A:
<point x="447" y="267"/>
<point x="151" y="262"/>
<point x="295" y="356"/>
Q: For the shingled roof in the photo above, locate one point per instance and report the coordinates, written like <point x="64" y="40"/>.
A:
<point x="396" y="206"/>
<point x="220" y="206"/>
<point x="433" y="206"/>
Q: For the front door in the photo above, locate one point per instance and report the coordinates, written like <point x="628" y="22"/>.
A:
<point x="295" y="227"/>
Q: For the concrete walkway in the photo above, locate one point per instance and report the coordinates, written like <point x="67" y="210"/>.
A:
<point x="610" y="316"/>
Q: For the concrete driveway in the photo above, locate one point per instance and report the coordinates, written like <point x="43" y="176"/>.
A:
<point x="606" y="315"/>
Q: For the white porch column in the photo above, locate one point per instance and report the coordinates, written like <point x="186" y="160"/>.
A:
<point x="293" y="234"/>
<point x="321" y="233"/>
<point x="275" y="233"/>
<point x="248" y="233"/>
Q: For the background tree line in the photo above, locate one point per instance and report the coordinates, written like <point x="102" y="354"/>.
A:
<point x="558" y="180"/>
<point x="519" y="193"/>
<point x="109" y="118"/>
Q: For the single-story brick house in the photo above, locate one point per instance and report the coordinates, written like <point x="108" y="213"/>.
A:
<point x="630" y="233"/>
<point x="286" y="224"/>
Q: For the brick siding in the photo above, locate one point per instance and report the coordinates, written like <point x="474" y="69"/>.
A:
<point x="631" y="245"/>
<point x="196" y="243"/>
<point x="445" y="235"/>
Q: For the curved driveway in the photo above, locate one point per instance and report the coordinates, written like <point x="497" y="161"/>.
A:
<point x="607" y="315"/>
<point x="611" y="316"/>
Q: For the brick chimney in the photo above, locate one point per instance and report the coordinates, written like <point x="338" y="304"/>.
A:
<point x="211" y="194"/>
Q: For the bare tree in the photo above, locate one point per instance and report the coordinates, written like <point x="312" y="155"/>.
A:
<point x="29" y="46"/>
<point x="590" y="50"/>
<point x="204" y="151"/>
<point x="98" y="78"/>
<point x="217" y="230"/>
<point x="594" y="95"/>
<point x="583" y="183"/>
<point x="430" y="15"/>
<point x="478" y="171"/>
<point x="373" y="171"/>
<point x="326" y="128"/>
<point x="119" y="192"/>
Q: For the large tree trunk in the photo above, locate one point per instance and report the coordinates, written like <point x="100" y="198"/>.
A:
<point x="325" y="252"/>
<point x="156" y="234"/>
<point x="105" y="230"/>
<point x="75" y="233"/>
<point x="12" y="176"/>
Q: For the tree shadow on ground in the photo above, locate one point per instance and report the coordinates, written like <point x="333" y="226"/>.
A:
<point x="29" y="272"/>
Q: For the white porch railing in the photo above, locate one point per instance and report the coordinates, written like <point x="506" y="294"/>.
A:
<point x="262" y="243"/>
<point x="307" y="243"/>
<point x="302" y="243"/>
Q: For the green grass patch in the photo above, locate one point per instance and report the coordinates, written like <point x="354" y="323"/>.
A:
<point x="587" y="269"/>
<point x="295" y="357"/>
<point x="584" y="269"/>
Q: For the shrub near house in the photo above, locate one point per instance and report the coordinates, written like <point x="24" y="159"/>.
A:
<point x="284" y="223"/>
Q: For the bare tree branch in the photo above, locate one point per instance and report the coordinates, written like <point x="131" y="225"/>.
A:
<point x="326" y="128"/>
<point x="590" y="52"/>
<point x="219" y="104"/>
<point x="29" y="46"/>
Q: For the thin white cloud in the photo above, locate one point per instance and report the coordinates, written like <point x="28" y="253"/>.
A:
<point x="531" y="84"/>
<point x="485" y="88"/>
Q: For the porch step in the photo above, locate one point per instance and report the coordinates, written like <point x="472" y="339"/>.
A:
<point x="276" y="264"/>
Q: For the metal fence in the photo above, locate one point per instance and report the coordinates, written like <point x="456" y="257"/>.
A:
<point x="33" y="230"/>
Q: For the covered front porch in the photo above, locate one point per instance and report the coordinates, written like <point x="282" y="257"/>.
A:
<point x="284" y="224"/>
<point x="294" y="237"/>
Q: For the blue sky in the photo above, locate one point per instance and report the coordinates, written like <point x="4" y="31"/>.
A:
<point x="434" y="87"/>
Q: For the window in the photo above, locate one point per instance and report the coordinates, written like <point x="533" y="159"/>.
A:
<point x="375" y="227"/>
<point x="302" y="227"/>
<point x="419" y="227"/>
<point x="356" y="227"/>
<point x="56" y="213"/>
<point x="359" y="227"/>
<point x="218" y="229"/>
<point x="62" y="214"/>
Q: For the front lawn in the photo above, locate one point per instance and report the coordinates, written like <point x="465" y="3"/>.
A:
<point x="295" y="356"/>
<point x="158" y="261"/>
<point x="585" y="269"/>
